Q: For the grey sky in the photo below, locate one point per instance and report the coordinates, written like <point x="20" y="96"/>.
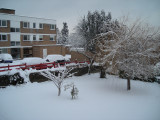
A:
<point x="71" y="11"/>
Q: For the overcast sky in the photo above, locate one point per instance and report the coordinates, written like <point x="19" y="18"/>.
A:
<point x="71" y="11"/>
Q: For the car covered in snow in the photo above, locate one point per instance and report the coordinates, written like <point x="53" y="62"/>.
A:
<point x="6" y="58"/>
<point x="67" y="57"/>
<point x="55" y="58"/>
<point x="32" y="60"/>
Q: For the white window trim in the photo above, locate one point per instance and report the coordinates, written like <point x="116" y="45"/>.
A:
<point x="35" y="26"/>
<point x="36" y="38"/>
<point x="6" y="37"/>
<point x="28" y="38"/>
<point x="39" y="25"/>
<point x="2" y="50"/>
<point x="2" y="25"/>
<point x="16" y="43"/>
<point x="28" y="24"/>
<point x="51" y="37"/>
<point x="15" y="29"/>
<point x="51" y="27"/>
<point x="39" y="38"/>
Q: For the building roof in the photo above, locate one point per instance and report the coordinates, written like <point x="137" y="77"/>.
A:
<point x="14" y="17"/>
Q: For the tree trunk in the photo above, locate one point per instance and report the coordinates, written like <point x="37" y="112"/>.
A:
<point x="90" y="67"/>
<point x="128" y="84"/>
<point x="103" y="73"/>
<point x="59" y="91"/>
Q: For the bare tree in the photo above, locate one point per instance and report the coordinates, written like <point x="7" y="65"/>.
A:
<point x="57" y="77"/>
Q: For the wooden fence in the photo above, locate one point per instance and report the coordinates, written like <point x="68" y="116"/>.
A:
<point x="38" y="66"/>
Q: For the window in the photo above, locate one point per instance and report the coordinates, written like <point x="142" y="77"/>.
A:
<point x="40" y="25"/>
<point x="3" y="50"/>
<point x="51" y="37"/>
<point x="34" y="37"/>
<point x="3" y="23"/>
<point x="15" y="43"/>
<point x="25" y="24"/>
<point x="15" y="30"/>
<point x="34" y="25"/>
<point x="40" y="37"/>
<point x="3" y="37"/>
<point x="26" y="37"/>
<point x="52" y="27"/>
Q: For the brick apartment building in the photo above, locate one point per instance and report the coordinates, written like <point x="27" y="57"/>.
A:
<point x="23" y="36"/>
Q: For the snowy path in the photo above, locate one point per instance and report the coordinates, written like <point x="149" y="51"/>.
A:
<point x="99" y="99"/>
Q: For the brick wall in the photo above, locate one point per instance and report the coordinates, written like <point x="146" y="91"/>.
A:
<point x="38" y="50"/>
<point x="45" y="30"/>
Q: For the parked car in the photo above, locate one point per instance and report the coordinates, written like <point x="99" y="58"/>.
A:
<point x="6" y="58"/>
<point x="55" y="58"/>
<point x="67" y="57"/>
<point x="34" y="63"/>
<point x="32" y="60"/>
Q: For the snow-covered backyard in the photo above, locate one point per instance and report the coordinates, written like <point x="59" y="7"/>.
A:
<point x="98" y="99"/>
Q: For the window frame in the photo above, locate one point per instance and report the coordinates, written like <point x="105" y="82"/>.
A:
<point x="34" y="36"/>
<point x="16" y="43"/>
<point x="14" y="29"/>
<point x="28" y="37"/>
<point x="27" y="23"/>
<point x="1" y="23"/>
<point x="52" y="36"/>
<point x="34" y="25"/>
<point x="40" y="25"/>
<point x="40" y="37"/>
<point x="17" y="29"/>
<point x="52" y="27"/>
<point x="2" y="50"/>
<point x="1" y="37"/>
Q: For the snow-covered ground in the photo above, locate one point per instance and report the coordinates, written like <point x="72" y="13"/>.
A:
<point x="98" y="99"/>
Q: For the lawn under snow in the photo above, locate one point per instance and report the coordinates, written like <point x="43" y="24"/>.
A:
<point x="99" y="99"/>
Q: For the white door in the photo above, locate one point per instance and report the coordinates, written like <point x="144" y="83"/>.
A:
<point x="44" y="53"/>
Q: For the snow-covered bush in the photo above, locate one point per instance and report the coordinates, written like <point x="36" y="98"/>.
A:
<point x="74" y="90"/>
<point x="157" y="69"/>
<point x="57" y="77"/>
<point x="14" y="79"/>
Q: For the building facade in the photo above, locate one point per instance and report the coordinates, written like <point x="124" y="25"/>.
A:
<point x="22" y="36"/>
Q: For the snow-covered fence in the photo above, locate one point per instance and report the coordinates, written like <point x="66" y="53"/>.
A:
<point x="40" y="66"/>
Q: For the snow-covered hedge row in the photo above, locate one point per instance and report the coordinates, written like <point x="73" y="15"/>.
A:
<point x="157" y="69"/>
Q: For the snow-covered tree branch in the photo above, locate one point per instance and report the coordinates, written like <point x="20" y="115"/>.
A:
<point x="57" y="77"/>
<point x="133" y="49"/>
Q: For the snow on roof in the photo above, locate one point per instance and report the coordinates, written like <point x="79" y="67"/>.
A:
<point x="77" y="49"/>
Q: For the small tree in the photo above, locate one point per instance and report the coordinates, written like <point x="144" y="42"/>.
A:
<point x="65" y="33"/>
<point x="58" y="78"/>
<point x="59" y="37"/>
